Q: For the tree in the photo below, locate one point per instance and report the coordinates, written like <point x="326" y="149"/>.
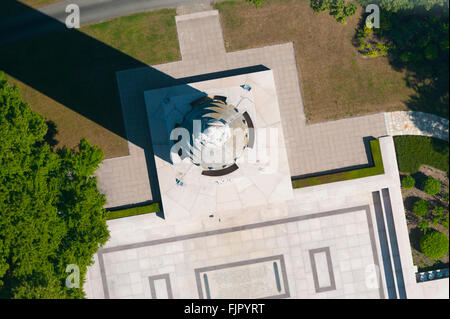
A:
<point x="320" y="5"/>
<point x="431" y="186"/>
<point x="416" y="32"/>
<point x="51" y="212"/>
<point x="421" y="208"/>
<point x="337" y="8"/>
<point x="424" y="226"/>
<point x="434" y="245"/>
<point x="408" y="182"/>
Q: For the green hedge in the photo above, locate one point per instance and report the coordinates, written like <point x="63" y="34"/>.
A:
<point x="413" y="151"/>
<point x="151" y="208"/>
<point x="347" y="175"/>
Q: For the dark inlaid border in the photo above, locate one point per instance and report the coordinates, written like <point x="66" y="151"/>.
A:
<point x="152" y="279"/>
<point x="279" y="258"/>
<point x="154" y="242"/>
<point x="332" y="285"/>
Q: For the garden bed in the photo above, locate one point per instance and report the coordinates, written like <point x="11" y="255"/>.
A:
<point x="410" y="152"/>
<point x="376" y="169"/>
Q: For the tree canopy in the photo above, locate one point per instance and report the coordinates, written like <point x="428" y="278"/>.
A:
<point x="51" y="211"/>
<point x="416" y="33"/>
<point x="339" y="9"/>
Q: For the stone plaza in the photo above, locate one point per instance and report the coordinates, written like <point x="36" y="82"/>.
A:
<point x="248" y="234"/>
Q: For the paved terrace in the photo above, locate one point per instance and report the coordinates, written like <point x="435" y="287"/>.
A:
<point x="325" y="243"/>
<point x="311" y="148"/>
<point x="328" y="242"/>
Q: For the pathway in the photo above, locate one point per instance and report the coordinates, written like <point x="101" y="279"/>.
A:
<point x="416" y="123"/>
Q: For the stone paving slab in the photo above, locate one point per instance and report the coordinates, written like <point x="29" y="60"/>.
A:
<point x="141" y="246"/>
<point x="348" y="240"/>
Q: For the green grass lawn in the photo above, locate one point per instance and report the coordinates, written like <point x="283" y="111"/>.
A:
<point x="376" y="169"/>
<point x="413" y="151"/>
<point x="69" y="76"/>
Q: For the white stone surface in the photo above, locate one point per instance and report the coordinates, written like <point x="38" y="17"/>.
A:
<point x="263" y="176"/>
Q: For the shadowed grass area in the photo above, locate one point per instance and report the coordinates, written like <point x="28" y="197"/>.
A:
<point x="38" y="3"/>
<point x="147" y="209"/>
<point x="85" y="101"/>
<point x="413" y="151"/>
<point x="376" y="169"/>
<point x="336" y="81"/>
<point x="149" y="37"/>
<point x="10" y="9"/>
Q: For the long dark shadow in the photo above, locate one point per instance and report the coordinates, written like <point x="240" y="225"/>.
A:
<point x="79" y="72"/>
<point x="73" y="69"/>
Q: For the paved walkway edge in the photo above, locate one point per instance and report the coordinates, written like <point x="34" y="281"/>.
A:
<point x="196" y="15"/>
<point x="416" y="123"/>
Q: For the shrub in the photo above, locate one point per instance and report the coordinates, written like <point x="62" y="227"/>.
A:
<point x="424" y="226"/>
<point x="320" y="5"/>
<point x="382" y="49"/>
<point x="445" y="222"/>
<point x="420" y="208"/>
<point x="373" y="54"/>
<point x="445" y="196"/>
<point x="337" y="8"/>
<point x="350" y="9"/>
<point x="440" y="216"/>
<point x="257" y="3"/>
<point x="431" y="186"/>
<point x="408" y="182"/>
<point x="434" y="245"/>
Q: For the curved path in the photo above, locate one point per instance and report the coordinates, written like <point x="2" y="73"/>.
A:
<point x="416" y="123"/>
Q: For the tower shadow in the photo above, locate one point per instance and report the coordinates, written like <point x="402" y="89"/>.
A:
<point x="79" y="72"/>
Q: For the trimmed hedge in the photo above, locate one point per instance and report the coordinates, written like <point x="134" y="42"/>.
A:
<point x="377" y="169"/>
<point x="434" y="245"/>
<point x="413" y="151"/>
<point x="147" y="209"/>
